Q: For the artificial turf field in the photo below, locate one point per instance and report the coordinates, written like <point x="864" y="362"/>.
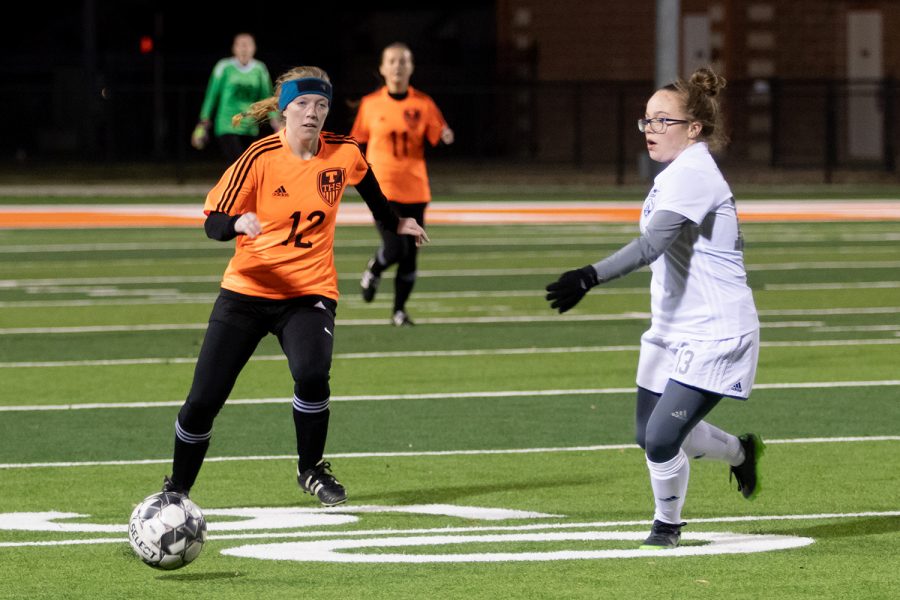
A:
<point x="487" y="452"/>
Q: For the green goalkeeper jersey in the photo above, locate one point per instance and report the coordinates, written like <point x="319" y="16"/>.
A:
<point x="232" y="88"/>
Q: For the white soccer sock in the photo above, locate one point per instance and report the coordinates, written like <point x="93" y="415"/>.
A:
<point x="708" y="441"/>
<point x="669" y="481"/>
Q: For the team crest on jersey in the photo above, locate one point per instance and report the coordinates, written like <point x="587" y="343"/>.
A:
<point x="331" y="185"/>
<point x="412" y="116"/>
<point x="650" y="202"/>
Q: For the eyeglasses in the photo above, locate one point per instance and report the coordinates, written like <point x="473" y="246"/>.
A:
<point x="658" y="125"/>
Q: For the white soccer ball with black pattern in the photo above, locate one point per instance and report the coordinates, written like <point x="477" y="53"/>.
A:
<point x="167" y="530"/>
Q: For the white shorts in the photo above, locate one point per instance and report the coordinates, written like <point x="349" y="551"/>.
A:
<point x="726" y="367"/>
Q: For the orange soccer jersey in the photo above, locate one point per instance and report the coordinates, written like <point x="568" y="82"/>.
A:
<point x="297" y="202"/>
<point x="394" y="132"/>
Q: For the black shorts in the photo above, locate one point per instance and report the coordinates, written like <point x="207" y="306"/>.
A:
<point x="264" y="315"/>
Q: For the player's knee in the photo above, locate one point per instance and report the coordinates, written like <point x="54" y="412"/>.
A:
<point x="313" y="387"/>
<point x="393" y="251"/>
<point x="195" y="421"/>
<point x="409" y="277"/>
<point x="661" y="445"/>
<point x="640" y="436"/>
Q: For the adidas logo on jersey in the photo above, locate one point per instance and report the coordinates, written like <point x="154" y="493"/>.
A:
<point x="680" y="414"/>
<point x="281" y="192"/>
<point x="736" y="387"/>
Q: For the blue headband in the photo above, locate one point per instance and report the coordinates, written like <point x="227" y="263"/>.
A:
<point x="300" y="87"/>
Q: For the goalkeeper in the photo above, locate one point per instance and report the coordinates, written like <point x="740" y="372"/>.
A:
<point x="236" y="83"/>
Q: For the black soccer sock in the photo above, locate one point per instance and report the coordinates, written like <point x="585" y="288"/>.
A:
<point x="403" y="286"/>
<point x="312" y="430"/>
<point x="186" y="463"/>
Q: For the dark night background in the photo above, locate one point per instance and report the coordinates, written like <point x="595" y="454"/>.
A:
<point x="74" y="83"/>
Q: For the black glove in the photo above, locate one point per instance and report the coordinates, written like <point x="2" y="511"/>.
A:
<point x="570" y="288"/>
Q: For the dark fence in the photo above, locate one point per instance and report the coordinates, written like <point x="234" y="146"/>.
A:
<point x="822" y="124"/>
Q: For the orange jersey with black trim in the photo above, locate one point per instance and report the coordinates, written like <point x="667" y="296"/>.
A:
<point x="297" y="203"/>
<point x="395" y="132"/>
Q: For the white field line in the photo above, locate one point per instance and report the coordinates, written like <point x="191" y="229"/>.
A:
<point x="437" y="396"/>
<point x="836" y="285"/>
<point x="160" y="246"/>
<point x="593" y="241"/>
<point x="86" y="281"/>
<point x="111" y="291"/>
<point x="866" y="251"/>
<point x="431" y="353"/>
<point x="855" y="328"/>
<point x="112" y="297"/>
<point x="352" y="455"/>
<point x="154" y="301"/>
<point x="567" y="239"/>
<point x="544" y="318"/>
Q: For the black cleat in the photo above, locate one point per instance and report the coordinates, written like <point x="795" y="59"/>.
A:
<point x="169" y="486"/>
<point x="747" y="473"/>
<point x="369" y="282"/>
<point x="320" y="483"/>
<point x="401" y="319"/>
<point x="663" y="536"/>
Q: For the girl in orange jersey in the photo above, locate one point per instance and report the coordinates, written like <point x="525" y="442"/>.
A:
<point x="394" y="123"/>
<point x="280" y="200"/>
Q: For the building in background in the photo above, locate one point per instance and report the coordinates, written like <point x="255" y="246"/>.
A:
<point x="811" y="82"/>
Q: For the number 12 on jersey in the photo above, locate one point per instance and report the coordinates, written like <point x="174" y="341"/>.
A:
<point x="315" y="218"/>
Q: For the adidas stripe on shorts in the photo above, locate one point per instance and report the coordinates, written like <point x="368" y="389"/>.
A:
<point x="726" y="367"/>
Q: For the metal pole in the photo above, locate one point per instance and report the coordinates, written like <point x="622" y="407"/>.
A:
<point x="620" y="135"/>
<point x="668" y="25"/>
<point x="830" y="157"/>
<point x="888" y="94"/>
<point x="577" y="126"/>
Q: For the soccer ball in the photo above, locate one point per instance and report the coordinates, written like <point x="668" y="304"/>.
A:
<point x="167" y="530"/>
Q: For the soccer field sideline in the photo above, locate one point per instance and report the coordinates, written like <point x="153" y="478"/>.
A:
<point x="25" y="216"/>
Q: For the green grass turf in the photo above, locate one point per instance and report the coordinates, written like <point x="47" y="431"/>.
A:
<point x="70" y="287"/>
<point x="607" y="486"/>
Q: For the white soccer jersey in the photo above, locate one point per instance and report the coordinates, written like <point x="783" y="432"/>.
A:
<point x="699" y="288"/>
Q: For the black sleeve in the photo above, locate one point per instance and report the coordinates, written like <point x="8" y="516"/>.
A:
<point x="371" y="192"/>
<point x="220" y="226"/>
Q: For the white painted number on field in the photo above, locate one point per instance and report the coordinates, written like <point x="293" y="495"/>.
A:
<point x="401" y="545"/>
<point x="336" y="550"/>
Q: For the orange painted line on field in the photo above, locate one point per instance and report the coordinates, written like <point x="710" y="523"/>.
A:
<point x="538" y="214"/>
<point x="81" y="220"/>
<point x="600" y="214"/>
<point x="98" y="216"/>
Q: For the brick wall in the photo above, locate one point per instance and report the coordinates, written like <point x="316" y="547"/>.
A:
<point x="578" y="40"/>
<point x="754" y="43"/>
